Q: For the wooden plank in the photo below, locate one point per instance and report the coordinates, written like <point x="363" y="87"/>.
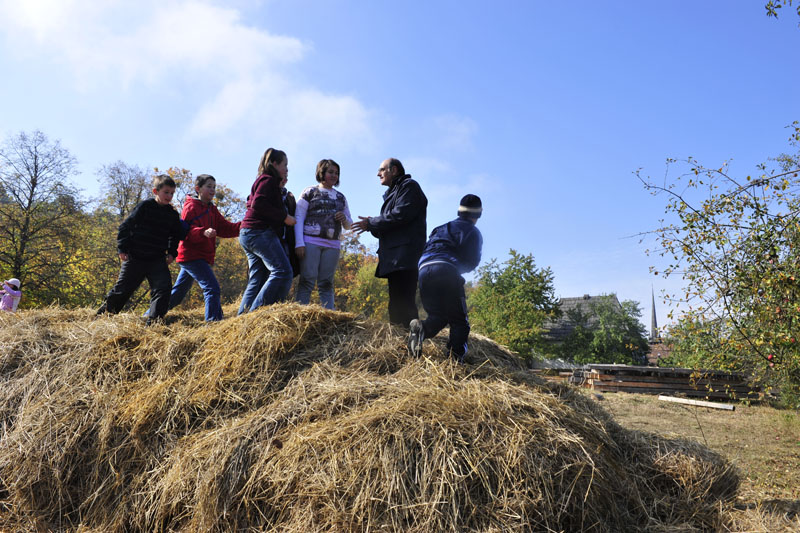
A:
<point x="700" y="403"/>
<point x="665" y="379"/>
<point x="665" y="370"/>
<point x="675" y="386"/>
<point x="693" y="393"/>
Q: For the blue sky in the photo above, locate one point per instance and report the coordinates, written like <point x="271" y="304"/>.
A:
<point x="544" y="109"/>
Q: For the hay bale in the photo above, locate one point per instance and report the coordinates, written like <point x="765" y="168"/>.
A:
<point x="296" y="418"/>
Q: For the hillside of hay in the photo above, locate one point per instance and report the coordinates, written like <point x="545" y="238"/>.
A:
<point x="296" y="419"/>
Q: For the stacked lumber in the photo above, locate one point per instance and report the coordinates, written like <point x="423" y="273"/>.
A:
<point x="710" y="384"/>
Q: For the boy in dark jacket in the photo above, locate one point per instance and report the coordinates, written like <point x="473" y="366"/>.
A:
<point x="453" y="249"/>
<point x="147" y="243"/>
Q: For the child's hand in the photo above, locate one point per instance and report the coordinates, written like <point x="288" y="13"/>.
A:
<point x="210" y="233"/>
<point x="123" y="256"/>
<point x="170" y="259"/>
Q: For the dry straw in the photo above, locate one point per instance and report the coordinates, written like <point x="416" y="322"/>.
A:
<point x="298" y="419"/>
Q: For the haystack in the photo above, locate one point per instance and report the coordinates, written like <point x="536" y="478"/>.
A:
<point x="298" y="419"/>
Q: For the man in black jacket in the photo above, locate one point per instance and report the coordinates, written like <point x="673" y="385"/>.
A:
<point x="401" y="232"/>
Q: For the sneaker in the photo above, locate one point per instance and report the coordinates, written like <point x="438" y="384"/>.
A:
<point x="416" y="336"/>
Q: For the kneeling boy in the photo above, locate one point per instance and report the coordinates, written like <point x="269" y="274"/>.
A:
<point x="452" y="249"/>
<point x="147" y="243"/>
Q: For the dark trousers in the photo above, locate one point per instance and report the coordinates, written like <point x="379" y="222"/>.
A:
<point x="131" y="275"/>
<point x="402" y="297"/>
<point x="441" y="289"/>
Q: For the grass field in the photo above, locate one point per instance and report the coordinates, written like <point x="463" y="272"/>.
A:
<point x="763" y="442"/>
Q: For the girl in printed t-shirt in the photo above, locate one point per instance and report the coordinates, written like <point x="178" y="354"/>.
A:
<point x="322" y="212"/>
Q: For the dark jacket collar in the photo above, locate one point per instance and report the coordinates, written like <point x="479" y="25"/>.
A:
<point x="397" y="181"/>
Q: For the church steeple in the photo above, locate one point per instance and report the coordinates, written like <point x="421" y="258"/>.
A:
<point x="654" y="336"/>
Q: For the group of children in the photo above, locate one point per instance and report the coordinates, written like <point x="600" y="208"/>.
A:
<point x="281" y="238"/>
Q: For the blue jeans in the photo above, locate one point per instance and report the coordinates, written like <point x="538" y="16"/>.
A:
<point x="318" y="268"/>
<point x="270" y="273"/>
<point x="198" y="270"/>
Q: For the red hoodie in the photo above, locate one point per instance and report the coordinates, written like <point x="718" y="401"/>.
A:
<point x="201" y="217"/>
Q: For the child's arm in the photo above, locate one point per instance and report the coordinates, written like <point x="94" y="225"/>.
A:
<point x="8" y="290"/>
<point x="175" y="234"/>
<point x="125" y="233"/>
<point x="191" y="214"/>
<point x="472" y="248"/>
<point x="225" y="228"/>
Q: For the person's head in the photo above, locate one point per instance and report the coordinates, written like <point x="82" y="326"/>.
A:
<point x="328" y="173"/>
<point x="163" y="189"/>
<point x="470" y="208"/>
<point x="390" y="170"/>
<point x="277" y="160"/>
<point x="13" y="283"/>
<point x="206" y="187"/>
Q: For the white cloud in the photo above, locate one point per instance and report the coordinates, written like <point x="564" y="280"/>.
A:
<point x="455" y="132"/>
<point x="147" y="40"/>
<point x="237" y="69"/>
<point x="427" y="167"/>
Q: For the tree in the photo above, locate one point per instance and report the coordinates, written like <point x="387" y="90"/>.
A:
<point x="184" y="183"/>
<point x="736" y="243"/>
<point x="511" y="301"/>
<point x="773" y="6"/>
<point x="619" y="335"/>
<point x="369" y="295"/>
<point x="606" y="332"/>
<point x="37" y="207"/>
<point x="122" y="187"/>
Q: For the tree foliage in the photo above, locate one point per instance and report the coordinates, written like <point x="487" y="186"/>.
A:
<point x="773" y="7"/>
<point x="606" y="332"/>
<point x="357" y="290"/>
<point x="511" y="301"/>
<point x="735" y="241"/>
<point x="122" y="186"/>
<point x="37" y="204"/>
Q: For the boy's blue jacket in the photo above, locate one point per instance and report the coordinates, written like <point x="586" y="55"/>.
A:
<point x="150" y="231"/>
<point x="457" y="243"/>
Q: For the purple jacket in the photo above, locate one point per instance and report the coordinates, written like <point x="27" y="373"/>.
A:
<point x="10" y="298"/>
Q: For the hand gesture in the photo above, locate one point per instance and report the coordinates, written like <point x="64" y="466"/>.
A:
<point x="361" y="225"/>
<point x="210" y="233"/>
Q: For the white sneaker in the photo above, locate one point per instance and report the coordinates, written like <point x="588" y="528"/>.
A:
<point x="416" y="336"/>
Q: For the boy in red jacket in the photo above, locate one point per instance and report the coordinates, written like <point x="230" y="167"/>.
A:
<point x="197" y="251"/>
